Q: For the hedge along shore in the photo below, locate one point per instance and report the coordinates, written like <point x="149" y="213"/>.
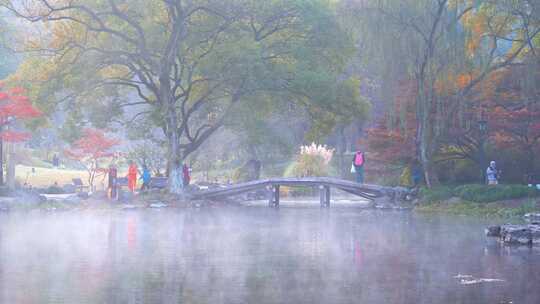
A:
<point x="504" y="201"/>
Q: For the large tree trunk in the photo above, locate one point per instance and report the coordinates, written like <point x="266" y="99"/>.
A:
<point x="176" y="178"/>
<point x="1" y="160"/>
<point x="12" y="162"/>
<point x="175" y="184"/>
<point x="424" y="139"/>
<point x="530" y="161"/>
<point x="175" y="157"/>
<point x="344" y="166"/>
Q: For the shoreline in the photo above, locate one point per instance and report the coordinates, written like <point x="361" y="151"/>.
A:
<point x="507" y="209"/>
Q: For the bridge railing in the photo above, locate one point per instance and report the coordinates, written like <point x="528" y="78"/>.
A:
<point x="324" y="184"/>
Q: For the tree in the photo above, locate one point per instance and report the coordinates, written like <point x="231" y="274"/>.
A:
<point x="392" y="140"/>
<point x="513" y="110"/>
<point x="91" y="149"/>
<point x="518" y="129"/>
<point x="193" y="63"/>
<point x="429" y="40"/>
<point x="13" y="106"/>
<point x="7" y="58"/>
<point x="150" y="154"/>
<point x="508" y="100"/>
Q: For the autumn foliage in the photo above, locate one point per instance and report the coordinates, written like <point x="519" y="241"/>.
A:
<point x="392" y="139"/>
<point x="15" y="105"/>
<point x="514" y="113"/>
<point x="517" y="128"/>
<point x="94" y="146"/>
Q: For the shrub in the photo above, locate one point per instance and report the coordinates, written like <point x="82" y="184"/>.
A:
<point x="485" y="194"/>
<point x="479" y="209"/>
<point x="54" y="190"/>
<point x="436" y="194"/>
<point x="313" y="160"/>
<point x="405" y="179"/>
<point x="477" y="193"/>
<point x="309" y="165"/>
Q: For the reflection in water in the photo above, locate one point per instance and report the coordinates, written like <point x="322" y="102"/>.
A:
<point x="258" y="255"/>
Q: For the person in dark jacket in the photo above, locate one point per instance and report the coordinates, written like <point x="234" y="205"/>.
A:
<point x="56" y="160"/>
<point x="416" y="173"/>
<point x="113" y="191"/>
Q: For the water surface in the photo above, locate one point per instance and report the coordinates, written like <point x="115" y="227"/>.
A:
<point x="258" y="255"/>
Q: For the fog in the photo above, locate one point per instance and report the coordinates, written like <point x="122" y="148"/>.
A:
<point x="198" y="95"/>
<point x="257" y="255"/>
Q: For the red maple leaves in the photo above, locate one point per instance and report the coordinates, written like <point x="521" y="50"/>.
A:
<point x="14" y="105"/>
<point x="513" y="111"/>
<point x="94" y="144"/>
<point x="516" y="128"/>
<point x="92" y="147"/>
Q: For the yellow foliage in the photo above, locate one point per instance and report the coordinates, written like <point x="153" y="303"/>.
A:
<point x="405" y="179"/>
<point x="114" y="72"/>
<point x="464" y="80"/>
<point x="471" y="47"/>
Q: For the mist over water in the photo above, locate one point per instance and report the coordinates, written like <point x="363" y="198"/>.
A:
<point x="258" y="255"/>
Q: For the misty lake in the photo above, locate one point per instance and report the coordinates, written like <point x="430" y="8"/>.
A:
<point x="259" y="255"/>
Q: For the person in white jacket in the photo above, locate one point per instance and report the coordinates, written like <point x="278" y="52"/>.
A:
<point x="492" y="174"/>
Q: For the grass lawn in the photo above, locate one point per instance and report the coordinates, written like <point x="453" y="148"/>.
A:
<point x="44" y="177"/>
<point x="507" y="209"/>
<point x="481" y="200"/>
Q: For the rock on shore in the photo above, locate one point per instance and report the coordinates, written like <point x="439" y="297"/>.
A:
<point x="516" y="234"/>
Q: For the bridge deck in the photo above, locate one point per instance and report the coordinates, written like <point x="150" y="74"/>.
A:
<point x="363" y="190"/>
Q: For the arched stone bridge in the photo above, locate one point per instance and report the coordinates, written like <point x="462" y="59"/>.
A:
<point x="394" y="195"/>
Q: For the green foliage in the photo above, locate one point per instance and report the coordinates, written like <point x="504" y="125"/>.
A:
<point x="527" y="207"/>
<point x="225" y="66"/>
<point x="511" y="160"/>
<point x="238" y="175"/>
<point x="260" y="127"/>
<point x="436" y="194"/>
<point x="308" y="165"/>
<point x="489" y="210"/>
<point x="485" y="194"/>
<point x="313" y="160"/>
<point x="73" y="127"/>
<point x="54" y="190"/>
<point x="7" y="59"/>
<point x="149" y="153"/>
<point x="477" y="193"/>
<point x="304" y="166"/>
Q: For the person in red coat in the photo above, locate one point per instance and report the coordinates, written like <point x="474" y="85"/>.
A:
<point x="132" y="176"/>
<point x="186" y="175"/>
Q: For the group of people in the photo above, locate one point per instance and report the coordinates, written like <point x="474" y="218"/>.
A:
<point x="145" y="177"/>
<point x="357" y="168"/>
